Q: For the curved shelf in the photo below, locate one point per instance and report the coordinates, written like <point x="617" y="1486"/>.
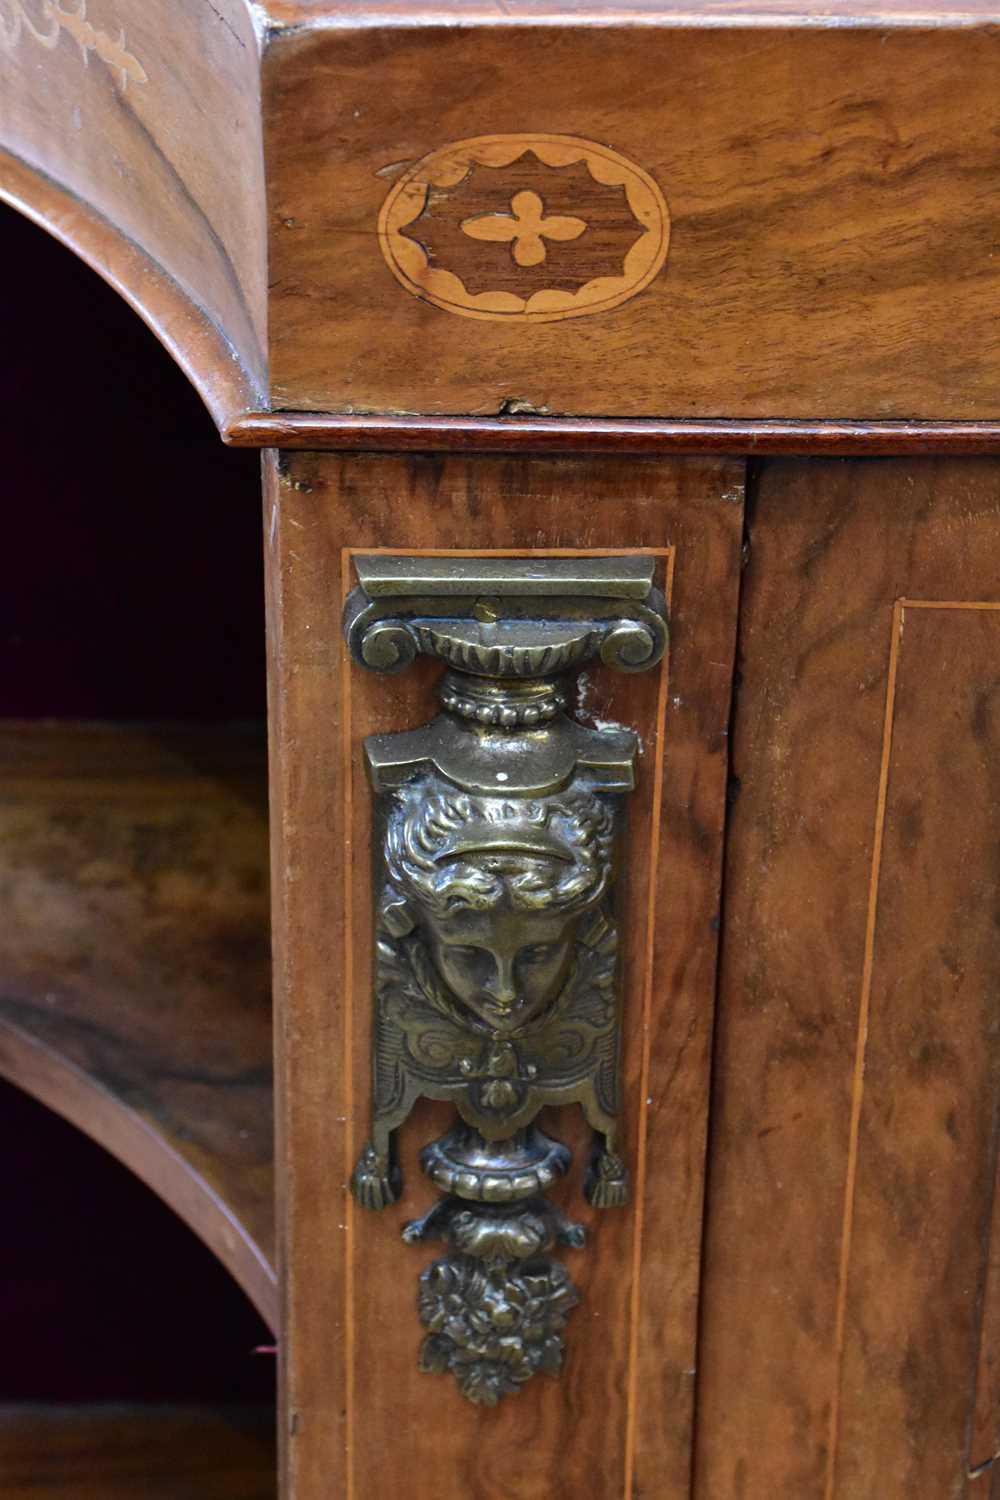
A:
<point x="136" y="137"/>
<point x="159" y="1452"/>
<point x="223" y="380"/>
<point x="134" y="962"/>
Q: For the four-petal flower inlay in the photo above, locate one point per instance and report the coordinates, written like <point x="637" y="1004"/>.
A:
<point x="527" y="226"/>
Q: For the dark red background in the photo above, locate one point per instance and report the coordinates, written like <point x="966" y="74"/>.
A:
<point x="130" y="587"/>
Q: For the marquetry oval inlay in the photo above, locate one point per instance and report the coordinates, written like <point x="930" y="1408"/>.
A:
<point x="524" y="228"/>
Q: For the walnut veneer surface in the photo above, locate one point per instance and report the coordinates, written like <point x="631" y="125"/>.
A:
<point x="813" y="242"/>
<point x="830" y="223"/>
<point x="850" y="1230"/>
<point x="497" y="240"/>
<point x="622" y="1412"/>
<point x="119" y="1452"/>
<point x="134" y="961"/>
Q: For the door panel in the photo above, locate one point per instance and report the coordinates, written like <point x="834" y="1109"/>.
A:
<point x="364" y="1420"/>
<point x="853" y="1136"/>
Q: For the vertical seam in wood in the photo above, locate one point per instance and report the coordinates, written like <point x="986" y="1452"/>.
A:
<point x="647" y="1008"/>
<point x="348" y="1052"/>
<point x="744" y="560"/>
<point x="857" y="1092"/>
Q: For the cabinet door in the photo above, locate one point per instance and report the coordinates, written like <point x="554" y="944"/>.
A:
<point x="851" y="1309"/>
<point x="363" y="1418"/>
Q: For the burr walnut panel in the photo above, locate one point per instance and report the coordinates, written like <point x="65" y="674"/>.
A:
<point x="620" y="1415"/>
<point x="923" y="1143"/>
<point x="830" y="190"/>
<point x="857" y="1067"/>
<point x="134" y="963"/>
<point x="763" y="217"/>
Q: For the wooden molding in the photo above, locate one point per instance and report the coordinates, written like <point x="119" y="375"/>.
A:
<point x="824" y="269"/>
<point x="399" y="434"/>
<point x="196" y="343"/>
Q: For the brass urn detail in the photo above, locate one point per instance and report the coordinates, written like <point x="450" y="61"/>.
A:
<point x="496" y="969"/>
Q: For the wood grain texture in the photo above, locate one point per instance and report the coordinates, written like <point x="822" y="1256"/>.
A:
<point x="876" y="13"/>
<point x="830" y="193"/>
<point x="856" y="1069"/>
<point x="132" y="130"/>
<point x="513" y="434"/>
<point x="593" y="233"/>
<point x="831" y="225"/>
<point x="121" y="1452"/>
<point x="134" y="984"/>
<point x="926" y="1132"/>
<point x="618" y="1422"/>
<point x="984" y="1445"/>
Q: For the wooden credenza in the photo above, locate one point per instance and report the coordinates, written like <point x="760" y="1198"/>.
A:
<point x="563" y="330"/>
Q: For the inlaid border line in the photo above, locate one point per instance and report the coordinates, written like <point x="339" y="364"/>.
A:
<point x="864" y="1008"/>
<point x="346" y="730"/>
<point x="655" y="815"/>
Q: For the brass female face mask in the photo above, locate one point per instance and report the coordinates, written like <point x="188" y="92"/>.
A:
<point x="496" y="988"/>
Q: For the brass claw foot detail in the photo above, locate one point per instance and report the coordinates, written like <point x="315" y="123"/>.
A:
<point x="376" y="1181"/>
<point x="607" y="1181"/>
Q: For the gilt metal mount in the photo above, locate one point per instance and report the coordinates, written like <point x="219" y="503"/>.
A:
<point x="496" y="985"/>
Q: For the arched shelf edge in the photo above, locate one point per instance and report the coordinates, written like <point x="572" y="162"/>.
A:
<point x="64" y="1088"/>
<point x="196" y="344"/>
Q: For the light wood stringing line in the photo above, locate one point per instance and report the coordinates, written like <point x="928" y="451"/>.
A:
<point x="348" y="1054"/>
<point x="632" y="1396"/>
<point x="864" y="1006"/>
